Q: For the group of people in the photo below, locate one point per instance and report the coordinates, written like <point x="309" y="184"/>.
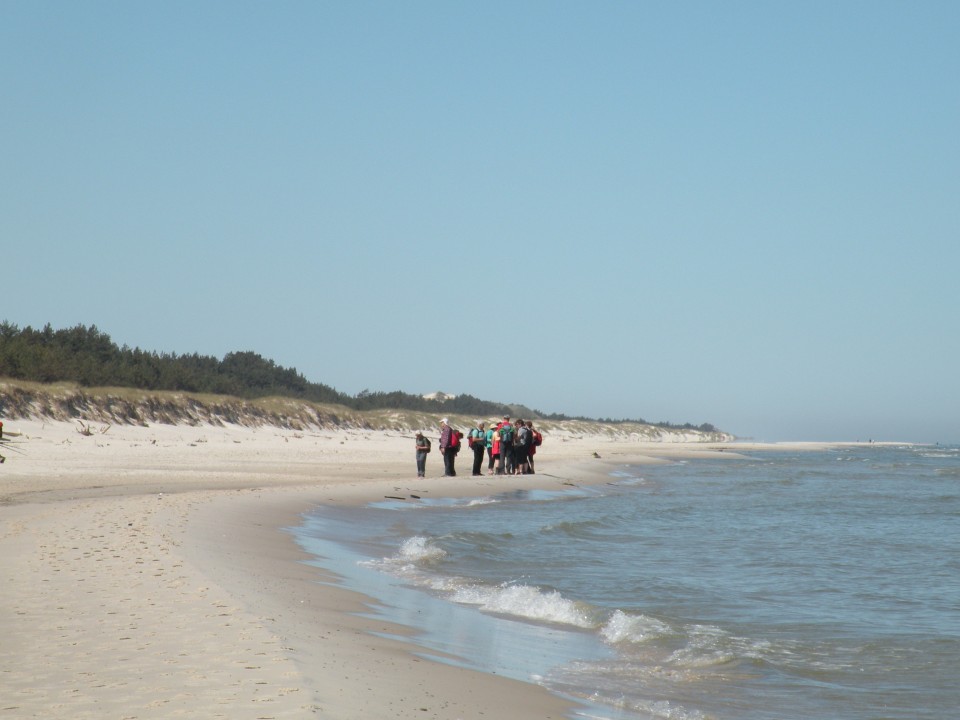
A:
<point x="509" y="447"/>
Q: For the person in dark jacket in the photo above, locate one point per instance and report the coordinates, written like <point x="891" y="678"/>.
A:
<point x="478" y="443"/>
<point x="505" y="467"/>
<point x="447" y="448"/>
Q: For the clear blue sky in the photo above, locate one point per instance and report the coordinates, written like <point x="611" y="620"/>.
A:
<point x="744" y="213"/>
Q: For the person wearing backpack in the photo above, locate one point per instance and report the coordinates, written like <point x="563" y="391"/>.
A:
<point x="478" y="443"/>
<point x="521" y="448"/>
<point x="492" y="438"/>
<point x="537" y="441"/>
<point x="449" y="446"/>
<point x="506" y="447"/>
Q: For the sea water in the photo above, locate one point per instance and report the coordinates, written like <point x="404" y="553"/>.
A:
<point x="783" y="585"/>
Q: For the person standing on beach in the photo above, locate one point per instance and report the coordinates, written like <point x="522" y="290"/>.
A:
<point x="490" y="441"/>
<point x="448" y="448"/>
<point x="536" y="440"/>
<point x="478" y="443"/>
<point x="521" y="446"/>
<point x="505" y="466"/>
<point x="423" y="447"/>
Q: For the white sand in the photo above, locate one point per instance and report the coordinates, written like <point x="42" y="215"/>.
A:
<point x="145" y="575"/>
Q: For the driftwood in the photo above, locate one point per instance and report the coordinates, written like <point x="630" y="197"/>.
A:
<point x="88" y="430"/>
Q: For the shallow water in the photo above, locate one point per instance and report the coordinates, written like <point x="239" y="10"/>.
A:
<point x="787" y="586"/>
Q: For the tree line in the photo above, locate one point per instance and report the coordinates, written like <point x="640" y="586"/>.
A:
<point x="88" y="357"/>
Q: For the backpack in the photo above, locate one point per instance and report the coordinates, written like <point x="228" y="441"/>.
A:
<point x="506" y="435"/>
<point x="537" y="438"/>
<point x="523" y="437"/>
<point x="454" y="438"/>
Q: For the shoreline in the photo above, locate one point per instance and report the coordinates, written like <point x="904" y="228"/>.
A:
<point x="148" y="574"/>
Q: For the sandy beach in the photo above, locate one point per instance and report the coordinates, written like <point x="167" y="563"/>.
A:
<point x="147" y="574"/>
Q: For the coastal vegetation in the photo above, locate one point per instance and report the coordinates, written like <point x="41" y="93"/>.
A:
<point x="80" y="359"/>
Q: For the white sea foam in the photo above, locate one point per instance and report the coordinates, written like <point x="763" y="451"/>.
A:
<point x="473" y="502"/>
<point x="622" y="627"/>
<point x="417" y="549"/>
<point x="656" y="710"/>
<point x="415" y="552"/>
<point x="709" y="646"/>
<point x="668" y="711"/>
<point x="525" y="601"/>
